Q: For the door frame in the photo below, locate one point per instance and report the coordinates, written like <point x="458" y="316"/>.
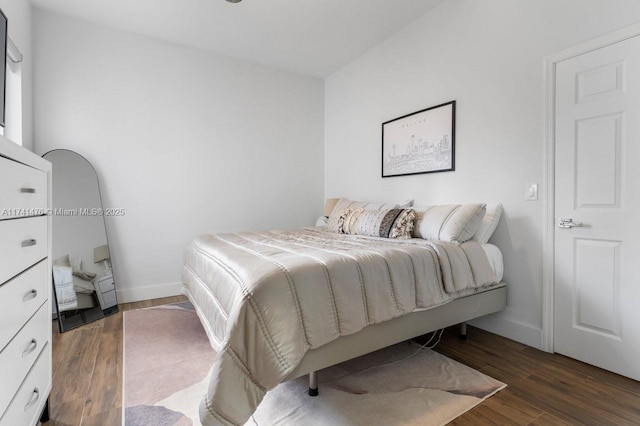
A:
<point x="549" y="225"/>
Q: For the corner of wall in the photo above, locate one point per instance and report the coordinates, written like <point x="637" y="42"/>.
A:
<point x="514" y="330"/>
<point x="129" y="295"/>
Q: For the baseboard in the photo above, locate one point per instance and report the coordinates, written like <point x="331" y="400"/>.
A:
<point x="514" y="330"/>
<point x="128" y="295"/>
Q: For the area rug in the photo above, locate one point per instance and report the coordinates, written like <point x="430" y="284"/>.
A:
<point x="167" y="360"/>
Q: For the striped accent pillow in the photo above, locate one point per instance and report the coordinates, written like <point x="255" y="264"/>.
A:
<point x="393" y="223"/>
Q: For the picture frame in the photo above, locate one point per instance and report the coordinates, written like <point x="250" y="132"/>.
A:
<point x="420" y="142"/>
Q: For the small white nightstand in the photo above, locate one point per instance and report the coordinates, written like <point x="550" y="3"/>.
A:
<point x="106" y="291"/>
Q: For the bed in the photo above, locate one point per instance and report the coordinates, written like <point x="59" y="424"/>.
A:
<point x="72" y="292"/>
<point x="74" y="287"/>
<point x="281" y="304"/>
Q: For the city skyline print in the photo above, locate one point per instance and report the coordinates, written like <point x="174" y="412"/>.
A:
<point x="420" y="142"/>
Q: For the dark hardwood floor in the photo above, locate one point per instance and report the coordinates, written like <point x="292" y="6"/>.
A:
<point x="543" y="389"/>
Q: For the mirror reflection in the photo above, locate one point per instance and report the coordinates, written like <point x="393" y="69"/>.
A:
<point x="83" y="280"/>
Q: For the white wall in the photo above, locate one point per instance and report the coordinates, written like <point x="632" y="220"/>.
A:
<point x="185" y="141"/>
<point x="488" y="55"/>
<point x="19" y="17"/>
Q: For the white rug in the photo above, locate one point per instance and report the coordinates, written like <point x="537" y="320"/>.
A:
<point x="394" y="386"/>
<point x="389" y="387"/>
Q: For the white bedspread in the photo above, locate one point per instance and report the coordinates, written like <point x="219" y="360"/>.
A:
<point x="267" y="298"/>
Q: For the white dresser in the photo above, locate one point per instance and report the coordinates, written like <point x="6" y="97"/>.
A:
<point x="25" y="285"/>
<point x="106" y="292"/>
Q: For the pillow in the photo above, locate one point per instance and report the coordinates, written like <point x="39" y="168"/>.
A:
<point x="76" y="267"/>
<point x="82" y="286"/>
<point x="62" y="261"/>
<point x="457" y="223"/>
<point x="322" y="221"/>
<point x="405" y="204"/>
<point x="344" y="203"/>
<point x="335" y="223"/>
<point x="393" y="223"/>
<point x="489" y="224"/>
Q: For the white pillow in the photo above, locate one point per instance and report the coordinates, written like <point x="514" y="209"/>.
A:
<point x="456" y="223"/>
<point x="322" y="221"/>
<point x="345" y="203"/>
<point x="62" y="261"/>
<point x="82" y="286"/>
<point x="489" y="223"/>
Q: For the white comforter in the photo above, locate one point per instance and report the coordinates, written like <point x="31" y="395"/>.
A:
<point x="267" y="298"/>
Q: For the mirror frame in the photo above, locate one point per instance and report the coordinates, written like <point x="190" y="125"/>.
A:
<point x="111" y="310"/>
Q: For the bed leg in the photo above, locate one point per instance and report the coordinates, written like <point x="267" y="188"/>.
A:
<point x="313" y="383"/>
<point x="463" y="331"/>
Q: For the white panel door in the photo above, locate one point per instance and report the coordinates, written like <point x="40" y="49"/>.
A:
<point x="597" y="265"/>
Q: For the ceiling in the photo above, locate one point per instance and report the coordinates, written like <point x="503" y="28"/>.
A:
<point x="312" y="37"/>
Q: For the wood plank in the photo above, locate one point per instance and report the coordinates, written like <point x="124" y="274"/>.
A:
<point x="562" y="394"/>
<point x="605" y="376"/>
<point x="67" y="413"/>
<point x="548" y="420"/>
<point x="113" y="322"/>
<point x="510" y="406"/>
<point x="480" y="356"/>
<point x="105" y="391"/>
<point x="485" y="415"/>
<point x="72" y="375"/>
<point x="111" y="417"/>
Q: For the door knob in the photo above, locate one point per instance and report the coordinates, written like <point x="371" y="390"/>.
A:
<point x="567" y="222"/>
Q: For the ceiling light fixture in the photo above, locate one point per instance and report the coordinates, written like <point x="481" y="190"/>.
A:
<point x="234" y="1"/>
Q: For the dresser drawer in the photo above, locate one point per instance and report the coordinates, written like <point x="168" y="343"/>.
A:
<point x="19" y="356"/>
<point x="20" y="298"/>
<point x="23" y="190"/>
<point x="26" y="406"/>
<point x="105" y="284"/>
<point x="23" y="242"/>
<point x="109" y="299"/>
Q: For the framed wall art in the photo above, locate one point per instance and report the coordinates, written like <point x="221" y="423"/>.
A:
<point x="420" y="142"/>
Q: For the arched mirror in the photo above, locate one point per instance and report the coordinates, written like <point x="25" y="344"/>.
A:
<point x="83" y="279"/>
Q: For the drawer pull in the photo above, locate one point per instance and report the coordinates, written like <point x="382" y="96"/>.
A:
<point x="29" y="243"/>
<point x="32" y="347"/>
<point x="31" y="295"/>
<point x="28" y="190"/>
<point x="34" y="398"/>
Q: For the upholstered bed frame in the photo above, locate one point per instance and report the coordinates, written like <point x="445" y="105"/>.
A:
<point x="394" y="331"/>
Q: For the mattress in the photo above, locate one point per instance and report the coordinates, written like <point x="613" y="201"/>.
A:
<point x="265" y="299"/>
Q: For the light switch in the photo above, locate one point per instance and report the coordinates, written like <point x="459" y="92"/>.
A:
<point x="532" y="193"/>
